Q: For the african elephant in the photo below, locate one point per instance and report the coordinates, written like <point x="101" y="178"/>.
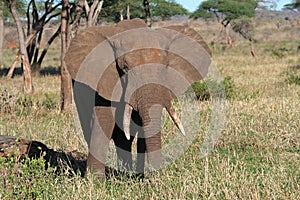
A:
<point x="123" y="76"/>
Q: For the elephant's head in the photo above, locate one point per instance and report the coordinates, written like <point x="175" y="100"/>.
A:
<point x="143" y="67"/>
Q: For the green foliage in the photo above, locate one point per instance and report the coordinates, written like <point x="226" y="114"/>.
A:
<point x="244" y="27"/>
<point x="162" y="8"/>
<point x="229" y="87"/>
<point x="26" y="179"/>
<point x="111" y="9"/>
<point x="166" y="8"/>
<point x="201" y="12"/>
<point x="278" y="53"/>
<point x="21" y="7"/>
<point x="281" y="49"/>
<point x="293" y="75"/>
<point x="203" y="89"/>
<point x="21" y="104"/>
<point x="232" y="9"/>
<point x="25" y="101"/>
<point x="294" y="5"/>
<point x="49" y="102"/>
<point x="293" y="79"/>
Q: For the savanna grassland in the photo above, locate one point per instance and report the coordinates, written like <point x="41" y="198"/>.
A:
<point x="256" y="157"/>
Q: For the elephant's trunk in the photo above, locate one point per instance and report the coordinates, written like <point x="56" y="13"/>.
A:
<point x="151" y="118"/>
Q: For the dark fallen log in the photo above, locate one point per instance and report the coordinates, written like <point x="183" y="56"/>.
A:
<point x="74" y="161"/>
<point x="22" y="148"/>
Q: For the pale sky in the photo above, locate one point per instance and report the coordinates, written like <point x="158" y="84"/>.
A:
<point x="192" y="5"/>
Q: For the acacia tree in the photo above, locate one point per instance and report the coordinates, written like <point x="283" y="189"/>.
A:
<point x="66" y="81"/>
<point x="295" y="4"/>
<point x="28" y="87"/>
<point x="117" y="10"/>
<point x="1" y="33"/>
<point x="147" y="12"/>
<point x="226" y="11"/>
<point x="5" y="15"/>
<point x="71" y="15"/>
<point x="86" y="9"/>
<point x="166" y="8"/>
<point x="92" y="11"/>
<point x="35" y="29"/>
<point x="36" y="23"/>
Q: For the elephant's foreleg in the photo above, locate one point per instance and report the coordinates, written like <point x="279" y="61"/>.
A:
<point x="123" y="148"/>
<point x="102" y="128"/>
<point x="141" y="150"/>
<point x="136" y="126"/>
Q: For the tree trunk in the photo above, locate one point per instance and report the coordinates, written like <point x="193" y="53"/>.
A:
<point x="128" y="12"/>
<point x="28" y="87"/>
<point x="121" y="15"/>
<point x="228" y="38"/>
<point x="252" y="50"/>
<point x="93" y="12"/>
<point x="79" y="11"/>
<point x="147" y="11"/>
<point x="1" y="35"/>
<point x="66" y="82"/>
<point x="12" y="68"/>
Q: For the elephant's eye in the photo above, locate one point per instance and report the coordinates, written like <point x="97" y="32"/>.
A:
<point x="125" y="68"/>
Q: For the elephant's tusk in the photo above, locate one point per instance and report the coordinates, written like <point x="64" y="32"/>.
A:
<point x="181" y="128"/>
<point x="175" y="119"/>
<point x="126" y="120"/>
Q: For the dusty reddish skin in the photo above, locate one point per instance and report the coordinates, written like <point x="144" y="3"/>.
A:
<point x="142" y="99"/>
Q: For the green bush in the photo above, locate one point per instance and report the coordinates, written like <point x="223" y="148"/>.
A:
<point x="278" y="53"/>
<point x="293" y="79"/>
<point x="25" y="101"/>
<point x="26" y="178"/>
<point x="49" y="102"/>
<point x="204" y="89"/>
<point x="229" y="87"/>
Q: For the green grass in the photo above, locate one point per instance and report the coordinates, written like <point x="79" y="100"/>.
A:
<point x="257" y="156"/>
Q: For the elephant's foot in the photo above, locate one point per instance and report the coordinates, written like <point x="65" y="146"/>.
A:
<point x="155" y="160"/>
<point x="96" y="167"/>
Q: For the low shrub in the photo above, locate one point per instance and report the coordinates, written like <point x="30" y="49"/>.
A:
<point x="293" y="79"/>
<point x="205" y="89"/>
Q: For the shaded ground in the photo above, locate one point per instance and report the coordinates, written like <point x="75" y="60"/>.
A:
<point x="74" y="161"/>
<point x="22" y="148"/>
<point x="45" y="71"/>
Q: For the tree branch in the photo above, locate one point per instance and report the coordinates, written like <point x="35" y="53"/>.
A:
<point x="55" y="35"/>
<point x="97" y="12"/>
<point x="91" y="13"/>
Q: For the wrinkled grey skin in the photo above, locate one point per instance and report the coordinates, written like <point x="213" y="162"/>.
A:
<point x="103" y="109"/>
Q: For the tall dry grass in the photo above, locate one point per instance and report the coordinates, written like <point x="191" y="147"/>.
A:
<point x="257" y="156"/>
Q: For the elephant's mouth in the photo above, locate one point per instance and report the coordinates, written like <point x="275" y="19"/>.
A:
<point x="127" y="117"/>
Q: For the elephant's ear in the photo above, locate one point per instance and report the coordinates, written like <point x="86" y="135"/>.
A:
<point x="188" y="53"/>
<point x="83" y="44"/>
<point x="91" y="72"/>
